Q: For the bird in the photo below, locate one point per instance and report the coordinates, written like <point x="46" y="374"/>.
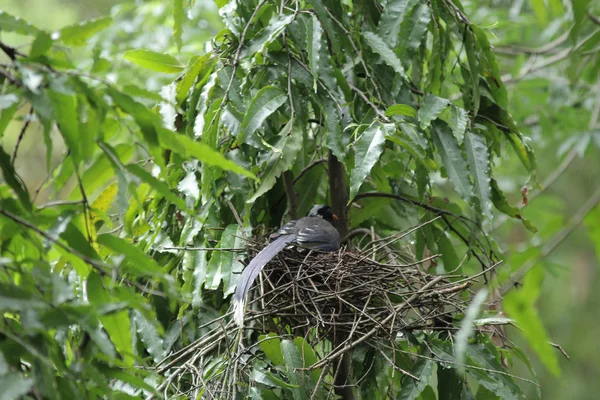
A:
<point x="316" y="231"/>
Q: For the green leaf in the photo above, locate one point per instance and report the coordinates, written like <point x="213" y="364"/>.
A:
<point x="314" y="33"/>
<point x="9" y="23"/>
<point x="486" y="359"/>
<point x="293" y="364"/>
<point x="13" y="180"/>
<point x="14" y="385"/>
<point x="178" y="17"/>
<point x="430" y="109"/>
<point x="520" y="306"/>
<point x="478" y="159"/>
<point x="116" y="323"/>
<point x="401" y="109"/>
<point x="417" y="153"/>
<point x="267" y="35"/>
<point x="265" y="103"/>
<point x="502" y="205"/>
<point x="467" y="327"/>
<point x="149" y="336"/>
<point x="413" y="29"/>
<point x="455" y="165"/>
<point x="65" y="112"/>
<point x="474" y="71"/>
<point x="393" y="15"/>
<point x="78" y="34"/>
<point x="139" y="262"/>
<point x="9" y="103"/>
<point x="226" y="266"/>
<point x="271" y="345"/>
<point x="334" y="130"/>
<point x="41" y="44"/>
<point x="367" y="151"/>
<point x="387" y="54"/>
<point x="411" y="389"/>
<point x="201" y="64"/>
<point x="158" y="62"/>
<point x="189" y="148"/>
<point x="457" y="118"/>
<point x="269" y="379"/>
<point x="282" y="158"/>
<point x="308" y="355"/>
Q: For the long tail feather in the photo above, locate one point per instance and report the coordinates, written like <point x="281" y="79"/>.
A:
<point x="251" y="272"/>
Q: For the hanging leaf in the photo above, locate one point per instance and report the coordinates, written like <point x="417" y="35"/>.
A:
<point x="265" y="103"/>
<point x="267" y="35"/>
<point x="452" y="158"/>
<point x="178" y="17"/>
<point x="430" y="109"/>
<point x="502" y="205"/>
<point x="314" y="33"/>
<point x="478" y="159"/>
<point x="159" y="62"/>
<point x="411" y="389"/>
<point x="367" y="151"/>
<point x="78" y="34"/>
<point x="401" y="109"/>
<point x="9" y="23"/>
<point x="282" y="158"/>
<point x="387" y="54"/>
<point x="393" y="15"/>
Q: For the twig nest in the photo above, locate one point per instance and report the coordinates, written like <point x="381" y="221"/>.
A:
<point x="359" y="292"/>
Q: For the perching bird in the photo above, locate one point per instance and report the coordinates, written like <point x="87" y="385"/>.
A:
<point x="315" y="232"/>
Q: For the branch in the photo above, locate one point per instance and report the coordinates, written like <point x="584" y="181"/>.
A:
<point x="21" y="135"/>
<point x="555" y="241"/>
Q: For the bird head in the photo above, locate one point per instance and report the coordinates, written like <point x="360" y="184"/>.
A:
<point x="324" y="212"/>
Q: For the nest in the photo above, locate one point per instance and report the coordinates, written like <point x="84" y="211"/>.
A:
<point x="348" y="298"/>
<point x="376" y="292"/>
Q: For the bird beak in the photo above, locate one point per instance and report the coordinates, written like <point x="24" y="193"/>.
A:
<point x="335" y="217"/>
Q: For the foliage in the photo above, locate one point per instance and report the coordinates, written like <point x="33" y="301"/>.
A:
<point x="146" y="170"/>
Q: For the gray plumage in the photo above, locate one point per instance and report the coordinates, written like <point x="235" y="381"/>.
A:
<point x="314" y="232"/>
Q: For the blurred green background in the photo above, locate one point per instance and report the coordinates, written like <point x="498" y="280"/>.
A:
<point x="556" y="105"/>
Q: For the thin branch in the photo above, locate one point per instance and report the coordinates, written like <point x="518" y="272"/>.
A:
<point x="22" y="134"/>
<point x="555" y="241"/>
<point x="548" y="47"/>
<point x="308" y="167"/>
<point x="379" y="113"/>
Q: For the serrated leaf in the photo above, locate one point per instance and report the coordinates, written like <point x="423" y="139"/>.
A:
<point x="281" y="159"/>
<point x="400" y="109"/>
<point x="139" y="262"/>
<point x="387" y="54"/>
<point x="265" y="103"/>
<point x="117" y="323"/>
<point x="474" y="71"/>
<point x="452" y="158"/>
<point x="225" y="267"/>
<point x="314" y="33"/>
<point x="414" y="151"/>
<point x="149" y="336"/>
<point x="393" y="15"/>
<point x="203" y="63"/>
<point x="154" y="61"/>
<point x="367" y="151"/>
<point x="157" y="185"/>
<point x="9" y="23"/>
<point x="413" y="29"/>
<point x="431" y="107"/>
<point x="501" y="203"/>
<point x="189" y="148"/>
<point x="411" y="389"/>
<point x="478" y="159"/>
<point x="485" y="356"/>
<point x="267" y="35"/>
<point x="457" y="118"/>
<point x="334" y="130"/>
<point x="178" y="17"/>
<point x="78" y="34"/>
